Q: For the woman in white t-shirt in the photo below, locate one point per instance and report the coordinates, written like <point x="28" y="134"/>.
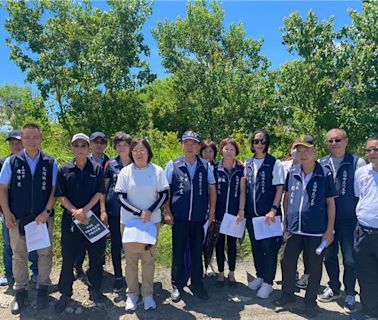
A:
<point x="143" y="189"/>
<point x="265" y="180"/>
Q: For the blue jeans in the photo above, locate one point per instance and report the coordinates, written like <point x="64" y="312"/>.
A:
<point x="344" y="235"/>
<point x="7" y="255"/>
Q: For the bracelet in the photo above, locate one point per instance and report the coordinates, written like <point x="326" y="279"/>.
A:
<point x="275" y="207"/>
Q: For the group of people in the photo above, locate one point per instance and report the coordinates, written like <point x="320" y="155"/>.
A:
<point x="331" y="203"/>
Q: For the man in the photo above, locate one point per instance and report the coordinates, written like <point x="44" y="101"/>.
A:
<point x="15" y="146"/>
<point x="98" y="143"/>
<point x="343" y="166"/>
<point x="193" y="195"/>
<point x="366" y="235"/>
<point x="27" y="185"/>
<point x="310" y="206"/>
<point x="86" y="176"/>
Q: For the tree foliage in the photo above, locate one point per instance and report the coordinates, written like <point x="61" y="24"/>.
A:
<point x="218" y="78"/>
<point x="89" y="61"/>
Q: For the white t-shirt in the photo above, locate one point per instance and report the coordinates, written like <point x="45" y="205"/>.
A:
<point x="366" y="188"/>
<point x="142" y="187"/>
<point x="278" y="172"/>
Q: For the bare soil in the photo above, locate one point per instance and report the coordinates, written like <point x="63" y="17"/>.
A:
<point x="224" y="303"/>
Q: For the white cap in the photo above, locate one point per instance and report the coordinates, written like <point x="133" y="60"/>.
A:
<point x="80" y="136"/>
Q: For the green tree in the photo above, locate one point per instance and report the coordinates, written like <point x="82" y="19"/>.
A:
<point x="219" y="81"/>
<point x="18" y="106"/>
<point x="87" y="60"/>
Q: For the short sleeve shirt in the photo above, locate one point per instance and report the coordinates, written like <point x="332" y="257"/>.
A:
<point x="366" y="189"/>
<point x="192" y="170"/>
<point x="79" y="186"/>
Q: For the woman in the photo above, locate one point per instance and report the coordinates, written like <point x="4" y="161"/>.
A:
<point x="208" y="152"/>
<point x="143" y="189"/>
<point x="231" y="199"/>
<point x="265" y="179"/>
<point x="113" y="167"/>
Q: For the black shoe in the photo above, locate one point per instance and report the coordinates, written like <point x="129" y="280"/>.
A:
<point x="311" y="311"/>
<point x="42" y="297"/>
<point x="220" y="283"/>
<point x="62" y="303"/>
<point x="200" y="293"/>
<point x="231" y="283"/>
<point x="118" y="285"/>
<point x="176" y="295"/>
<point x="96" y="296"/>
<point x="284" y="299"/>
<point x="19" y="301"/>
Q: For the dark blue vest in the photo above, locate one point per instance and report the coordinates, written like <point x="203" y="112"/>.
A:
<point x="228" y="190"/>
<point x="345" y="201"/>
<point x="260" y="195"/>
<point x="113" y="206"/>
<point x="28" y="195"/>
<point x="307" y="210"/>
<point x="189" y="198"/>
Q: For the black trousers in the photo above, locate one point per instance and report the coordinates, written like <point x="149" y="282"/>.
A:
<point x="115" y="244"/>
<point x="72" y="241"/>
<point x="231" y="252"/>
<point x="183" y="231"/>
<point x="292" y="248"/>
<point x="265" y="254"/>
<point x="366" y="250"/>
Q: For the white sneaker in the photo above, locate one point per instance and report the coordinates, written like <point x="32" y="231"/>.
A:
<point x="303" y="281"/>
<point x="210" y="272"/>
<point x="265" y="290"/>
<point x="255" y="283"/>
<point x="149" y="302"/>
<point x="131" y="302"/>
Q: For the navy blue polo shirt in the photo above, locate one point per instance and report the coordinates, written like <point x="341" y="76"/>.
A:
<point x="79" y="186"/>
<point x="307" y="202"/>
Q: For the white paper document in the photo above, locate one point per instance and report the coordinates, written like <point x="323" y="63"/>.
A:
<point x="230" y="227"/>
<point x="37" y="236"/>
<point x="263" y="230"/>
<point x="138" y="231"/>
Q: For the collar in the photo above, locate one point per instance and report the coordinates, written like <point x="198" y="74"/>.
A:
<point x="297" y="170"/>
<point x="28" y="158"/>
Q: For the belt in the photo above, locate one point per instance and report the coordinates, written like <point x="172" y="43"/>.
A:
<point x="368" y="230"/>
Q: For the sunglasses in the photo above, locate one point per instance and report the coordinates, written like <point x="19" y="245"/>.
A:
<point x="336" y="140"/>
<point x="370" y="150"/>
<point x="257" y="141"/>
<point x="80" y="146"/>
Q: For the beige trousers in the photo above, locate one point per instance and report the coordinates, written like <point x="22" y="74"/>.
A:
<point x="134" y="252"/>
<point x="20" y="259"/>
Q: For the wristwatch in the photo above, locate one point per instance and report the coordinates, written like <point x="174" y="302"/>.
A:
<point x="48" y="211"/>
<point x="274" y="207"/>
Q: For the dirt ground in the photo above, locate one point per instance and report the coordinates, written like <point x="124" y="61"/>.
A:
<point x="224" y="303"/>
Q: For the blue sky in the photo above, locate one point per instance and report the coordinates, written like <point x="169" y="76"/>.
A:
<point x="261" y="19"/>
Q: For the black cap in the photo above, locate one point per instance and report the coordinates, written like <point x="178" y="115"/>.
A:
<point x="304" y="140"/>
<point x="191" y="135"/>
<point x="98" y="134"/>
<point x="15" y="134"/>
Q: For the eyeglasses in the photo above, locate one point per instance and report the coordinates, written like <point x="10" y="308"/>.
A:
<point x="257" y="141"/>
<point x="80" y="146"/>
<point x="371" y="150"/>
<point x="336" y="140"/>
